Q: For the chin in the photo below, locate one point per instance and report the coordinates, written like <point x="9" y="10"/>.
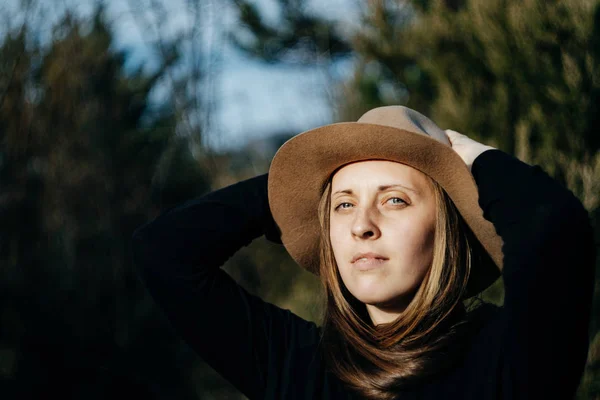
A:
<point x="374" y="298"/>
<point x="375" y="295"/>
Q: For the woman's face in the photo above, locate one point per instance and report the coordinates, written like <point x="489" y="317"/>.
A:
<point x="382" y="225"/>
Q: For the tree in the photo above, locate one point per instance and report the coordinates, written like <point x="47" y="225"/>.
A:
<point x="84" y="162"/>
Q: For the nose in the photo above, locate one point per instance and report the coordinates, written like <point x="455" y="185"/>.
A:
<point x="364" y="225"/>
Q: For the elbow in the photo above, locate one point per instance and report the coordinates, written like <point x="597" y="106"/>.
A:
<point x="573" y="222"/>
<point x="555" y="245"/>
<point x="568" y="247"/>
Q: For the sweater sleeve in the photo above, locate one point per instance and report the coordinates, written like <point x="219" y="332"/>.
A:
<point x="548" y="274"/>
<point x="179" y="255"/>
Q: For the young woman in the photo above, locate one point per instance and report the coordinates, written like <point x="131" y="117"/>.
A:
<point x="402" y="222"/>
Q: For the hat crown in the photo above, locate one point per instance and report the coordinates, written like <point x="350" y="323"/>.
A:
<point x="405" y="118"/>
<point x="304" y="164"/>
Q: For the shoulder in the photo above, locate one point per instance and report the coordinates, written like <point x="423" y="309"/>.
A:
<point x="484" y="326"/>
<point x="482" y="316"/>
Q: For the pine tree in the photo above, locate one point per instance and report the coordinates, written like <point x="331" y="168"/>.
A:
<point x="83" y="162"/>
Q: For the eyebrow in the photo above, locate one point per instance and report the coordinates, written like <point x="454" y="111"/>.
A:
<point x="382" y="188"/>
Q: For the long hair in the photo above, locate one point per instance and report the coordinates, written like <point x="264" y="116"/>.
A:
<point x="377" y="361"/>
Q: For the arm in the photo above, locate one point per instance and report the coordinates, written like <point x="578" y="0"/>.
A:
<point x="548" y="273"/>
<point x="179" y="254"/>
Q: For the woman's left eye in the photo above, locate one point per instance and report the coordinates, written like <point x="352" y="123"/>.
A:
<point x="396" y="200"/>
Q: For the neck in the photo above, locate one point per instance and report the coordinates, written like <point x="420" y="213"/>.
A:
<point x="384" y="315"/>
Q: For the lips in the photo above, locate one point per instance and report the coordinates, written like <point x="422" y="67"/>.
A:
<point x="364" y="257"/>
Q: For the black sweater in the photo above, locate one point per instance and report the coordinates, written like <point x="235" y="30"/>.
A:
<point x="534" y="347"/>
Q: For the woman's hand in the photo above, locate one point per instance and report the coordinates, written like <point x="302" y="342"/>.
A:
<point x="467" y="148"/>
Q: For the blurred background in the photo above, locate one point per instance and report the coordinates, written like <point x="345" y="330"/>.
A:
<point x="111" y="111"/>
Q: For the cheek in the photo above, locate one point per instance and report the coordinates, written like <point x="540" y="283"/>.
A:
<point x="341" y="245"/>
<point x="414" y="245"/>
<point x="336" y="237"/>
<point x="422" y="246"/>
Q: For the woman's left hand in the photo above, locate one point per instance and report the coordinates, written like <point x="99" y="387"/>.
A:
<point x="467" y="148"/>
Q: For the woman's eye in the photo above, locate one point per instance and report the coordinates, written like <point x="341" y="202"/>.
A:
<point x="343" y="206"/>
<point x="396" y="201"/>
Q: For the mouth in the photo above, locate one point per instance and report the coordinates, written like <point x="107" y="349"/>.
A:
<point x="366" y="261"/>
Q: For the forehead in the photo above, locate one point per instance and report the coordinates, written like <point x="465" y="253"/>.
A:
<point x="374" y="173"/>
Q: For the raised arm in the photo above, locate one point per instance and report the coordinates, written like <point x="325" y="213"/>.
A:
<point x="548" y="274"/>
<point x="179" y="255"/>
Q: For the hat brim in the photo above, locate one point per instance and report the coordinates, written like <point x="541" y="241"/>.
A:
<point x="302" y="166"/>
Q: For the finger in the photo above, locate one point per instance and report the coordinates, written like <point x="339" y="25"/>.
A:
<point x="452" y="135"/>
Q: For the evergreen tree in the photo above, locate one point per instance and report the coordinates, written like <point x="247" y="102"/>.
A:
<point x="83" y="162"/>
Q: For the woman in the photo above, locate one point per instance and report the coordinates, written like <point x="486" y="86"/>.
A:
<point x="403" y="222"/>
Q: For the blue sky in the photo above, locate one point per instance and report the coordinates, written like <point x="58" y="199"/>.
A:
<point x="252" y="99"/>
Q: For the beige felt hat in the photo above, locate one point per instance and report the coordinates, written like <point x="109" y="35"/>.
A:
<point x="302" y="166"/>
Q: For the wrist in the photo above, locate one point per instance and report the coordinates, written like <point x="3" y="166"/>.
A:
<point x="477" y="151"/>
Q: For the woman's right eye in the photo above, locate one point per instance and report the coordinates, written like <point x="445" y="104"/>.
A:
<point x="344" y="205"/>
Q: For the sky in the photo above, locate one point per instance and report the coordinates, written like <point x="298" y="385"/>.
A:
<point x="252" y="99"/>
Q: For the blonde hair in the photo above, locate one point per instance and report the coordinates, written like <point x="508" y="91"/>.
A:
<point x="375" y="361"/>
